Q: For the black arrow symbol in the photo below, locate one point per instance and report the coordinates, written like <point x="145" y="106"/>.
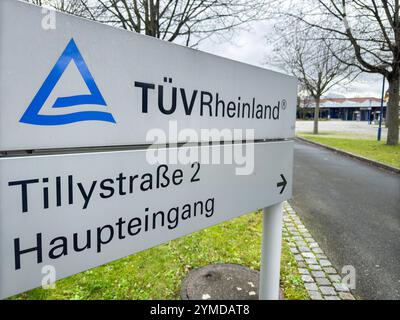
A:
<point x="282" y="184"/>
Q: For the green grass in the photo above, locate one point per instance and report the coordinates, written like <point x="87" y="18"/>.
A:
<point x="157" y="273"/>
<point x="361" y="146"/>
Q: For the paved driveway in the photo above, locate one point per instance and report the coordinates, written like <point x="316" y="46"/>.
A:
<point x="353" y="211"/>
<point x="360" y="128"/>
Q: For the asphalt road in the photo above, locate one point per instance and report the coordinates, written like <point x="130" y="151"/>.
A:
<point x="353" y="211"/>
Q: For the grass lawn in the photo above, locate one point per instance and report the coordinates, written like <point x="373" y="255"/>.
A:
<point x="367" y="148"/>
<point x="157" y="273"/>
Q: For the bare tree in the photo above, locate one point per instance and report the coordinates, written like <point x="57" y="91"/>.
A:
<point x="75" y="7"/>
<point x="184" y="21"/>
<point x="371" y="28"/>
<point x="308" y="56"/>
<point x="37" y="2"/>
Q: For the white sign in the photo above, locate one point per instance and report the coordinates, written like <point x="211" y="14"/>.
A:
<point x="76" y="83"/>
<point x="77" y="211"/>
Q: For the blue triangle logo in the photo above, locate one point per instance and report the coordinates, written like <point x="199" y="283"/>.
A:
<point x="32" y="115"/>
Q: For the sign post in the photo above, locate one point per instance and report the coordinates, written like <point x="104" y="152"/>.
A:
<point x="271" y="252"/>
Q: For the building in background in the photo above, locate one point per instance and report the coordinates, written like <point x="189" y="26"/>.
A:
<point x="352" y="109"/>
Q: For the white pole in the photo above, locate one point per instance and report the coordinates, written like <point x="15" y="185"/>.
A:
<point x="271" y="252"/>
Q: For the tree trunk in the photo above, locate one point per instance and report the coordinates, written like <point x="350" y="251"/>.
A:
<point x="316" y="115"/>
<point x="392" y="111"/>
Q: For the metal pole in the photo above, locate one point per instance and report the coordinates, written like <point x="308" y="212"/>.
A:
<point x="271" y="252"/>
<point x="381" y="112"/>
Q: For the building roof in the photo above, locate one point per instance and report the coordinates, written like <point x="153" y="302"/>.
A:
<point x="362" y="102"/>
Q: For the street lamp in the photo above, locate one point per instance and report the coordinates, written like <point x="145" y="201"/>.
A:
<point x="381" y="112"/>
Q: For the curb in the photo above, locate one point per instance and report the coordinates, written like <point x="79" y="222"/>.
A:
<point x="321" y="280"/>
<point x="354" y="156"/>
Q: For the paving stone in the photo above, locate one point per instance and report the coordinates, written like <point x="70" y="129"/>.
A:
<point x="304" y="271"/>
<point x="294" y="250"/>
<point x="315" y="267"/>
<point x="307" y="278"/>
<point x="330" y="270"/>
<point x="318" y="274"/>
<point x="332" y="298"/>
<point x="325" y="263"/>
<point x="328" y="290"/>
<point x="341" y="287"/>
<point x="308" y="255"/>
<point x="334" y="278"/>
<point x="315" y="295"/>
<point x="298" y="257"/>
<point x="311" y="261"/>
<point x="301" y="244"/>
<point x="346" y="296"/>
<point x="306" y="249"/>
<point x="323" y="281"/>
<point x="317" y="250"/>
<point x="311" y="286"/>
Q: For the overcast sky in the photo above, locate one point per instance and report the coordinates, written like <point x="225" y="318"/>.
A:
<point x="253" y="47"/>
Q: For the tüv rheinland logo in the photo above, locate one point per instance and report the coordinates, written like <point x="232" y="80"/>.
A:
<point x="32" y="115"/>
